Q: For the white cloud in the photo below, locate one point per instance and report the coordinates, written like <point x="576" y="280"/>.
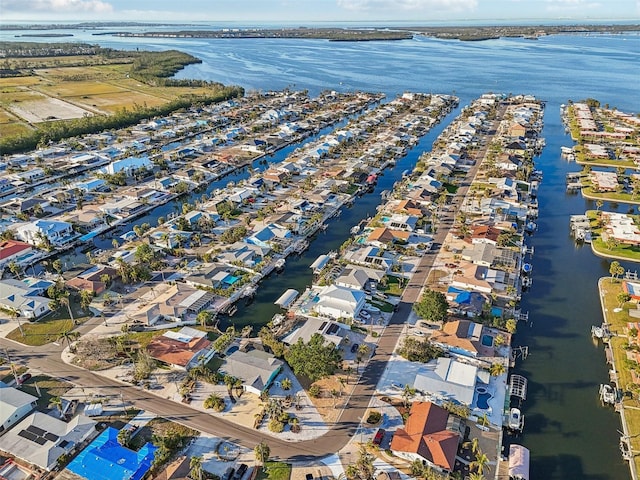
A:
<point x="57" y="6"/>
<point x="408" y="5"/>
<point x="560" y="5"/>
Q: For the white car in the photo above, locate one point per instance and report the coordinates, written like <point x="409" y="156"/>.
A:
<point x="417" y="333"/>
<point x="364" y="314"/>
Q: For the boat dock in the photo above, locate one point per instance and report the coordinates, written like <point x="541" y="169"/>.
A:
<point x="580" y="226"/>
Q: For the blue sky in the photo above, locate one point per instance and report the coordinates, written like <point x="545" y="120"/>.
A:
<point x="301" y="11"/>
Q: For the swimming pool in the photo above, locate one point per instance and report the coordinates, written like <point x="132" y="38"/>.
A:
<point x="483" y="400"/>
<point x="487" y="340"/>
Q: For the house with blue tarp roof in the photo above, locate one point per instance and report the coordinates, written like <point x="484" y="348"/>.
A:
<point x="106" y="459"/>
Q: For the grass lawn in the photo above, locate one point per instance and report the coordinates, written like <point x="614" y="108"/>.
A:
<point x="392" y="287"/>
<point x="143" y="338"/>
<point x="214" y="364"/>
<point x="383" y="306"/>
<point x="41" y="332"/>
<point x="49" y="388"/>
<point x="275" y="471"/>
<point x="618" y="324"/>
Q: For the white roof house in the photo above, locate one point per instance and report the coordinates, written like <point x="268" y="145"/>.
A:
<point x="14" y="405"/>
<point x="41" y="439"/>
<point x="447" y="379"/>
<point x="57" y="232"/>
<point x="17" y="295"/>
<point x="339" y="302"/>
<point x="127" y="165"/>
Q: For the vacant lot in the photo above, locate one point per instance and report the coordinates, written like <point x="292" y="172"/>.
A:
<point x="47" y="109"/>
<point x="60" y="93"/>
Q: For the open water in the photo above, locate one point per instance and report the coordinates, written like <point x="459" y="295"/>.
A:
<point x="570" y="435"/>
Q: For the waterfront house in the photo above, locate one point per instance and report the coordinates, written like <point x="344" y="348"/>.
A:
<point x="461" y="337"/>
<point x="430" y="435"/>
<point x="480" y="278"/>
<point x="257" y="369"/>
<point x="41" y="439"/>
<point x="183" y="349"/>
<point x="466" y="302"/>
<point x="14" y="251"/>
<point x="403" y="222"/>
<point x="448" y="379"/>
<point x="272" y="233"/>
<point x="14" y="405"/>
<point x="91" y="279"/>
<point x="211" y="276"/>
<point x="128" y="165"/>
<point x="620" y="227"/>
<point x="244" y="253"/>
<point x="382" y="237"/>
<point x="486" y="234"/>
<point x="175" y="302"/>
<point x="359" y="278"/>
<point x="58" y="233"/>
<point x="92" y="185"/>
<point x="604" y="181"/>
<point x="332" y="332"/>
<point x="371" y="256"/>
<point x="339" y="302"/>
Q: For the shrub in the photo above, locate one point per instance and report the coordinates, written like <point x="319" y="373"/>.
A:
<point x="276" y="426"/>
<point x="374" y="417"/>
<point x="314" y="391"/>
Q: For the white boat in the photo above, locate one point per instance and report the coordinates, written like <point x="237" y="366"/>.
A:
<point x="607" y="394"/>
<point x="516" y="420"/>
<point x="596" y="331"/>
<point x="279" y="265"/>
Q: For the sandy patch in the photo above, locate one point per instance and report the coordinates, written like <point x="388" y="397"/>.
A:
<point x="47" y="109"/>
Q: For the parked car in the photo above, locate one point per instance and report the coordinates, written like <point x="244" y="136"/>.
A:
<point x="241" y="471"/>
<point x="23" y="378"/>
<point x="397" y="386"/>
<point x="364" y="314"/>
<point x="309" y="476"/>
<point x="354" y="348"/>
<point x="379" y="436"/>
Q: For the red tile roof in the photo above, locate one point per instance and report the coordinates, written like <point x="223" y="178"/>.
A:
<point x="426" y="434"/>
<point x="9" y="248"/>
<point x="175" y="352"/>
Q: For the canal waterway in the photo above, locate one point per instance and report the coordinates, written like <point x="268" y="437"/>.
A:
<point x="570" y="435"/>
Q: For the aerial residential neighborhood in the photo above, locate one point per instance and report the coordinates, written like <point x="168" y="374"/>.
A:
<point x="154" y="307"/>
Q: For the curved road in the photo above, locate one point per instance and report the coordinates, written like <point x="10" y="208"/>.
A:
<point x="47" y="360"/>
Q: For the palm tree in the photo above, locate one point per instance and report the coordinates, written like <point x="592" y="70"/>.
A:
<point x="69" y="337"/>
<point x="480" y="463"/>
<point x="216" y="402"/>
<point x="497" y="369"/>
<point x="476" y="476"/>
<point x="286" y="384"/>
<point x="363" y="352"/>
<point x="15" y="268"/>
<point x="64" y="300"/>
<point x="195" y="468"/>
<point x="262" y="452"/>
<point x="56" y="402"/>
<point x="407" y="394"/>
<point x="86" y="297"/>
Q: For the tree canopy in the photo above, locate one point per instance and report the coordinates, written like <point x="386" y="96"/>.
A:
<point x="432" y="306"/>
<point x="415" y="350"/>
<point x="314" y="360"/>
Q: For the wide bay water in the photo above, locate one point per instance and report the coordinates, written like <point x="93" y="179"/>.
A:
<point x="570" y="435"/>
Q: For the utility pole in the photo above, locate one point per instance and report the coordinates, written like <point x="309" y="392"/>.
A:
<point x="13" y="368"/>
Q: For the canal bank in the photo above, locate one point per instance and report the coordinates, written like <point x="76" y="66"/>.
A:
<point x="568" y="432"/>
<point x="297" y="273"/>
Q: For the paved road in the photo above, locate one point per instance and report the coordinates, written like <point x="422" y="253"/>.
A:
<point x="47" y="360"/>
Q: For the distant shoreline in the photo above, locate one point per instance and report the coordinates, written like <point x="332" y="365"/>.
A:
<point x="339" y="33"/>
